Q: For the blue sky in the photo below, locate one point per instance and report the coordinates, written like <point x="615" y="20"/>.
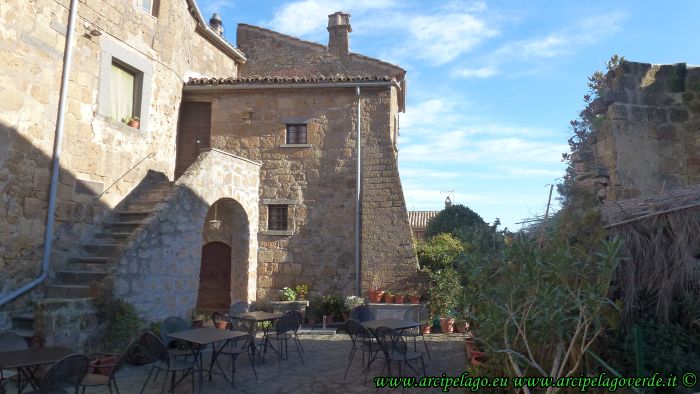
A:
<point x="492" y="85"/>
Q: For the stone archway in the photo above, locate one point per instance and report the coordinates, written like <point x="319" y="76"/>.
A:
<point x="225" y="256"/>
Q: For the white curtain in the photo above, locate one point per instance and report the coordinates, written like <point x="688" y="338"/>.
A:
<point x="121" y="98"/>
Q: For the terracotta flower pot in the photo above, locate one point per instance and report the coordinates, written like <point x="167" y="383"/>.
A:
<point x="447" y="325"/>
<point x="329" y="319"/>
<point x="425" y="329"/>
<point x="461" y="327"/>
<point x="413" y="299"/>
<point x="388" y="298"/>
<point x="222" y="325"/>
<point x="134" y="123"/>
<point x="375" y="296"/>
<point x="398" y="299"/>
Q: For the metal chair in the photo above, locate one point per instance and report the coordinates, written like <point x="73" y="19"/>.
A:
<point x="361" y="313"/>
<point x="93" y="380"/>
<point x="242" y="345"/>
<point x="395" y="349"/>
<point x="414" y="333"/>
<point x="164" y="362"/>
<point x="238" y="307"/>
<point x="362" y="340"/>
<point x="176" y="347"/>
<point x="67" y="372"/>
<point x="300" y="320"/>
<point x="284" y="330"/>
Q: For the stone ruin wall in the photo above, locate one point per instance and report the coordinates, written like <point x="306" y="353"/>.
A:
<point x="96" y="150"/>
<point x="649" y="137"/>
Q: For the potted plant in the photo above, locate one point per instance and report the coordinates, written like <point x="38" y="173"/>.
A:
<point x="413" y="297"/>
<point x="399" y="299"/>
<point x="332" y="306"/>
<point x="444" y="292"/>
<point x="132" y="121"/>
<point x="375" y="283"/>
<point x="314" y="311"/>
<point x="351" y="302"/>
<point x="287" y="294"/>
<point x="388" y="297"/>
<point x="302" y="291"/>
<point x="426" y="325"/>
<point x="197" y="319"/>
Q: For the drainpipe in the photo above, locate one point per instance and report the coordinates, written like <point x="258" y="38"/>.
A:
<point x="358" y="195"/>
<point x="48" y="235"/>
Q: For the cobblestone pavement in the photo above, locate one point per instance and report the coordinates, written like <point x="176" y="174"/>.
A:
<point x="325" y="359"/>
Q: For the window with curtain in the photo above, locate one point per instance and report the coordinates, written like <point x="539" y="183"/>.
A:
<point x="121" y="91"/>
<point x="296" y="133"/>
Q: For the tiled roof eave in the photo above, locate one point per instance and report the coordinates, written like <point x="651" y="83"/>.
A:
<point x="278" y="80"/>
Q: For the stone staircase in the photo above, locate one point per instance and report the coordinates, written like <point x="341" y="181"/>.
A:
<point x="69" y="290"/>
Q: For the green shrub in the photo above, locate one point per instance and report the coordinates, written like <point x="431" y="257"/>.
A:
<point x="439" y="251"/>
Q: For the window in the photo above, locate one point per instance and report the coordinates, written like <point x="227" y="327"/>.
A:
<point x="125" y="84"/>
<point x="277" y="217"/>
<point x="150" y="6"/>
<point x="122" y="95"/>
<point x="296" y="133"/>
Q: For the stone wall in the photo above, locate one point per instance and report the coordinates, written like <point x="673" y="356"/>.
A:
<point x="159" y="270"/>
<point x="97" y="151"/>
<point x="272" y="53"/>
<point x="317" y="181"/>
<point x="649" y="135"/>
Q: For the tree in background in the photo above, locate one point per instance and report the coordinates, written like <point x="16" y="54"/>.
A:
<point x="439" y="252"/>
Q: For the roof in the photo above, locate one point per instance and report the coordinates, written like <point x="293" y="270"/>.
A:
<point x="259" y="79"/>
<point x="420" y="218"/>
<point x="321" y="46"/>
<point x="616" y="213"/>
<point x="218" y="41"/>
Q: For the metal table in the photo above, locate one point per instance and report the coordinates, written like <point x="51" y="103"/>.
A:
<point x="394" y="324"/>
<point x="28" y="361"/>
<point x="198" y="338"/>
<point x="261" y="317"/>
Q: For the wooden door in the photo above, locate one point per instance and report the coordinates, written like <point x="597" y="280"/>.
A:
<point x="193" y="134"/>
<point x="215" y="277"/>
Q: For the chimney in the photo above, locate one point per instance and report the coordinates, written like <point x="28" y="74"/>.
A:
<point x="448" y="202"/>
<point x="338" y="29"/>
<point x="217" y="24"/>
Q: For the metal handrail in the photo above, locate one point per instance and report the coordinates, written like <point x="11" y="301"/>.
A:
<point x="67" y="226"/>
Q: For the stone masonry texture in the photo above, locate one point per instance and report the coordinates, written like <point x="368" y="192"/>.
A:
<point x="648" y="140"/>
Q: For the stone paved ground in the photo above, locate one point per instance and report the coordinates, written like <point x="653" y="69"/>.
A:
<point x="325" y="359"/>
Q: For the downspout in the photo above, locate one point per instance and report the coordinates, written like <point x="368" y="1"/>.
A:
<point x="60" y="120"/>
<point x="358" y="196"/>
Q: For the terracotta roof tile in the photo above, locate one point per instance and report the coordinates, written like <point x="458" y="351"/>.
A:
<point x="420" y="218"/>
<point x="260" y="79"/>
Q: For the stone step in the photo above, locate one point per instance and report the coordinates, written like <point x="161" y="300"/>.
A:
<point x="67" y="291"/>
<point x="101" y="250"/>
<point x="23" y="321"/>
<point x="130" y="216"/>
<point x="79" y="277"/>
<point x="93" y="264"/>
<point x="123" y="227"/>
<point x="113" y="236"/>
<point x="142" y="205"/>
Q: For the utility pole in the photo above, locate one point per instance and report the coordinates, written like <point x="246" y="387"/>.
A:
<point x="546" y="214"/>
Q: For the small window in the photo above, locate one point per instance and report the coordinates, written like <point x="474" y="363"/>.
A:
<point x="277" y="217"/>
<point x="149" y="6"/>
<point x="123" y="89"/>
<point x="296" y="133"/>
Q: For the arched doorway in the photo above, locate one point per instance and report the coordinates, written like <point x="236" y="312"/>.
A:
<point x="224" y="276"/>
<point x="215" y="277"/>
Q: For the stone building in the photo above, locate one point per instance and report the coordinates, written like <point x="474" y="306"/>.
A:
<point x="647" y="140"/>
<point x="238" y="181"/>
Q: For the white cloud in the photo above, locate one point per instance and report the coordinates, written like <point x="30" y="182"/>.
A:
<point x="306" y="17"/>
<point x="482" y="72"/>
<point x="568" y="40"/>
<point x="443" y="37"/>
<point x="217" y="6"/>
